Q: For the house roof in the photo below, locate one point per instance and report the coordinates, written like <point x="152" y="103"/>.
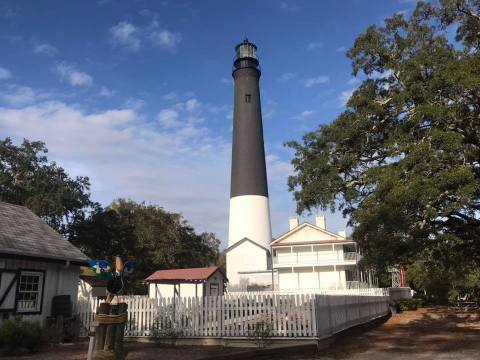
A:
<point x="22" y="233"/>
<point x="338" y="239"/>
<point x="93" y="281"/>
<point x="314" y="242"/>
<point x="242" y="241"/>
<point x="184" y="275"/>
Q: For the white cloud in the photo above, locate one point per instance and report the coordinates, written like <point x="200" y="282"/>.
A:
<point x="5" y="73"/>
<point x="226" y="81"/>
<point x="16" y="95"/>
<point x="133" y="103"/>
<point x="286" y="77"/>
<point x="105" y="92"/>
<point x="278" y="171"/>
<point x="165" y="39"/>
<point x="345" y="96"/>
<point x="322" y="79"/>
<point x="181" y="165"/>
<point x="73" y="76"/>
<point x="289" y="6"/>
<point x="305" y="114"/>
<point x="182" y="168"/>
<point x="125" y="35"/>
<point x="192" y="104"/>
<point x="45" y="49"/>
<point x="170" y="96"/>
<point x="168" y="118"/>
<point x="314" y="45"/>
<point x="353" y="81"/>
<point x="130" y="37"/>
<point x="341" y="49"/>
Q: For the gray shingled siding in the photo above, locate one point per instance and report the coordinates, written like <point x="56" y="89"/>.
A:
<point x="24" y="233"/>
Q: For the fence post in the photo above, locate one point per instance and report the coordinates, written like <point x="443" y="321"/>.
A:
<point x="313" y="316"/>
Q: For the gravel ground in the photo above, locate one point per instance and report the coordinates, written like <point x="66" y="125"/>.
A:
<point x="430" y="333"/>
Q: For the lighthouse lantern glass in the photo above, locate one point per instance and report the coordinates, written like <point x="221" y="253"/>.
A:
<point x="247" y="50"/>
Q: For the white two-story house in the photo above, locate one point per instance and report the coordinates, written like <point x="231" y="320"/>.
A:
<point x="309" y="257"/>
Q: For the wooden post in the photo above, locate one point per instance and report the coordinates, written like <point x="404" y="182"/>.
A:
<point x="120" y="328"/>
<point x="110" y="332"/>
<point x="101" y="330"/>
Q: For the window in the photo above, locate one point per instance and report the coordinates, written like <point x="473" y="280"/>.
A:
<point x="248" y="98"/>
<point x="30" y="291"/>
<point x="349" y="275"/>
<point x="214" y="290"/>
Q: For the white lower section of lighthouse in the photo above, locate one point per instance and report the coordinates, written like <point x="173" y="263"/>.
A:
<point x="250" y="218"/>
<point x="250" y="234"/>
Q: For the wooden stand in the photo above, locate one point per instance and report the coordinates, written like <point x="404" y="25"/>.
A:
<point x="111" y="325"/>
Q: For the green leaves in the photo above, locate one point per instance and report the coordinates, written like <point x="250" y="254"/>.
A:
<point x="28" y="178"/>
<point x="147" y="234"/>
<point x="403" y="160"/>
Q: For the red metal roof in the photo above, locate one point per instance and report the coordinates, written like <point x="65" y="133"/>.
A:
<point x="192" y="274"/>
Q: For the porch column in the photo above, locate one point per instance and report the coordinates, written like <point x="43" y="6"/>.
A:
<point x="336" y="275"/>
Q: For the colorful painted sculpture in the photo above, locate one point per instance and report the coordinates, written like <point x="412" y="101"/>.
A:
<point x="115" y="278"/>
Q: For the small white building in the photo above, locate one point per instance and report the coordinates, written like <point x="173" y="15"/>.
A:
<point x="91" y="287"/>
<point x="193" y="282"/>
<point x="36" y="264"/>
<point x="249" y="266"/>
<point x="309" y="257"/>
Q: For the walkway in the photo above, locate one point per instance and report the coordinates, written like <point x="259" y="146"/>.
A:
<point x="435" y="333"/>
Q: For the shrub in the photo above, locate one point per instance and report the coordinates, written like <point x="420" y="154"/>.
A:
<point x="18" y="336"/>
<point x="408" y="304"/>
<point x="261" y="333"/>
<point x="166" y="333"/>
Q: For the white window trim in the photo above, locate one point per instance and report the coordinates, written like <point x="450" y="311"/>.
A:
<point x="38" y="305"/>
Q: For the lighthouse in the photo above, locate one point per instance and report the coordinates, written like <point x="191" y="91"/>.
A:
<point x="250" y="234"/>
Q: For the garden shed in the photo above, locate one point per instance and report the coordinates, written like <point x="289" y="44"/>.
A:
<point x="198" y="282"/>
<point x="36" y="265"/>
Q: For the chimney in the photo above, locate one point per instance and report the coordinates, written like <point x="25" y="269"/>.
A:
<point x="342" y="233"/>
<point x="321" y="222"/>
<point x="293" y="222"/>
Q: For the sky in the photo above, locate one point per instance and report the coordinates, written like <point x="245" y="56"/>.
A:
<point x="137" y="95"/>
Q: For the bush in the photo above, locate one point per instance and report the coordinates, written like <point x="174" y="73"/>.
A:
<point x="19" y="337"/>
<point x="167" y="333"/>
<point x="408" y="304"/>
<point x="261" y="333"/>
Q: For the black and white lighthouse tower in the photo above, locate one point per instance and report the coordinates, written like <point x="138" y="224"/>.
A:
<point x="249" y="207"/>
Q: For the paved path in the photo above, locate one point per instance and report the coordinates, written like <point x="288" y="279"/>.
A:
<point x="432" y="333"/>
<point x="435" y="333"/>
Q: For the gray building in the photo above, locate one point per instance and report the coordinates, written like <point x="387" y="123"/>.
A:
<point x="36" y="264"/>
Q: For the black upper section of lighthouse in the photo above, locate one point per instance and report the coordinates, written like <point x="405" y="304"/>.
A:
<point x="249" y="175"/>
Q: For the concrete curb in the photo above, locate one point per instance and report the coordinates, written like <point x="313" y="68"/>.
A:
<point x="322" y="343"/>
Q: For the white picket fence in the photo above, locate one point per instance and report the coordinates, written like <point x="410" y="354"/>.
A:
<point x="236" y="314"/>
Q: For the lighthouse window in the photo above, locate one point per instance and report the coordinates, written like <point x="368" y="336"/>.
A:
<point x="248" y="98"/>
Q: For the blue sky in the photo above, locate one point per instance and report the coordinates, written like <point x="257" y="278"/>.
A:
<point x="137" y="95"/>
